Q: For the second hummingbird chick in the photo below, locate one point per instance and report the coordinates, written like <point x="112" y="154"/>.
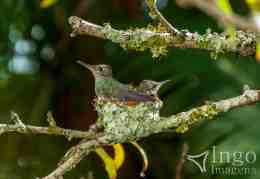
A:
<point x="151" y="87"/>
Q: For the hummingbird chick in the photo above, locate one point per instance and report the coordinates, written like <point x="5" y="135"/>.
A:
<point x="151" y="87"/>
<point x="108" y="87"/>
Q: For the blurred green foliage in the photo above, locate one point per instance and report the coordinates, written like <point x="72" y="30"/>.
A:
<point x="38" y="73"/>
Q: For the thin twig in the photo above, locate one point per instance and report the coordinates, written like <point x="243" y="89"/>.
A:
<point x="52" y="129"/>
<point x="155" y="12"/>
<point x="144" y="158"/>
<point x="210" y="8"/>
<point x="181" y="162"/>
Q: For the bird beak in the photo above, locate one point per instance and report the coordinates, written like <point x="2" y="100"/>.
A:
<point x="165" y="81"/>
<point x="90" y="67"/>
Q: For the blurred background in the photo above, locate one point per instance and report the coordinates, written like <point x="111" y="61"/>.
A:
<point x="38" y="73"/>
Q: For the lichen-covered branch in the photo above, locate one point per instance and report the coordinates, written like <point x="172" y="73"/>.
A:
<point x="73" y="157"/>
<point x="29" y="129"/>
<point x="157" y="40"/>
<point x="210" y="8"/>
<point x="52" y="129"/>
<point x="123" y="124"/>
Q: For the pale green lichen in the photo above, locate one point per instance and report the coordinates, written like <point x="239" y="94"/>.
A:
<point x="194" y="116"/>
<point x="157" y="40"/>
<point x="223" y="43"/>
<point x="140" y="39"/>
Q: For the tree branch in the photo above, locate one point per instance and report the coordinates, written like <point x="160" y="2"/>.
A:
<point x="114" y="132"/>
<point x="73" y="157"/>
<point x="29" y="129"/>
<point x="52" y="129"/>
<point x="157" y="42"/>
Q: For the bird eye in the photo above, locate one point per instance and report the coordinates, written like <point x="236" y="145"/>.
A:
<point x="100" y="68"/>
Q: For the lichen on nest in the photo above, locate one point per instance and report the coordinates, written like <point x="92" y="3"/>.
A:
<point x="122" y="122"/>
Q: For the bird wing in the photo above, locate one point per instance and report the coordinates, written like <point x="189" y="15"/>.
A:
<point x="131" y="95"/>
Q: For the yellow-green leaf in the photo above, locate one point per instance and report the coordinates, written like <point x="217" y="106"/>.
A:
<point x="225" y="6"/>
<point x="47" y="3"/>
<point x="257" y="54"/>
<point x="119" y="155"/>
<point x="253" y="4"/>
<point x="110" y="165"/>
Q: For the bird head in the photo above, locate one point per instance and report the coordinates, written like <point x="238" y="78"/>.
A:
<point x="101" y="70"/>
